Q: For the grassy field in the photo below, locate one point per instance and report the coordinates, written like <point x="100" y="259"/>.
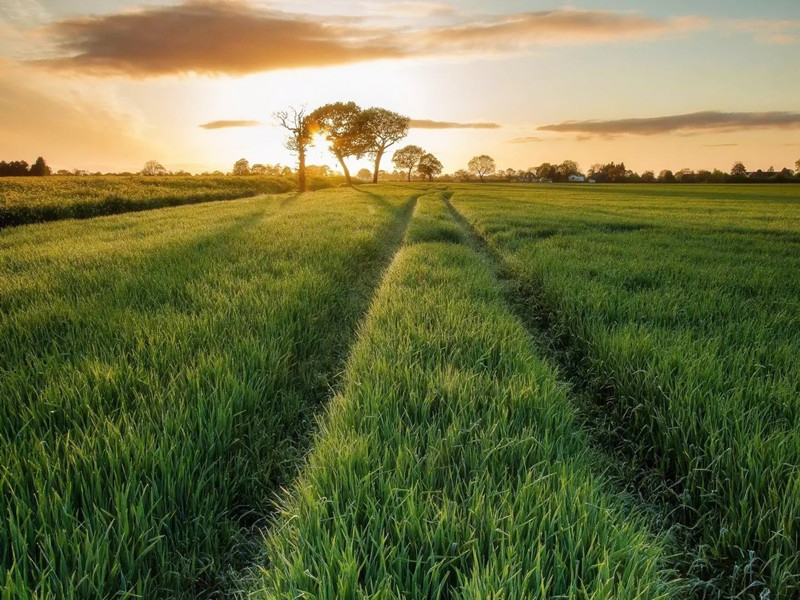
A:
<point x="38" y="199"/>
<point x="582" y="392"/>
<point x="158" y="373"/>
<point x="677" y="309"/>
<point x="450" y="466"/>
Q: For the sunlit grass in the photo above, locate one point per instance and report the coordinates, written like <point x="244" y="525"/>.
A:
<point x="37" y="199"/>
<point x="451" y="465"/>
<point x="681" y="305"/>
<point x="158" y="373"/>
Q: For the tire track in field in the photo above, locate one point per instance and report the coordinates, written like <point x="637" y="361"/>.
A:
<point x="245" y="559"/>
<point x="648" y="490"/>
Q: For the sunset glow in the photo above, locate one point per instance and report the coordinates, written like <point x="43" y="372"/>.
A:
<point x="107" y="85"/>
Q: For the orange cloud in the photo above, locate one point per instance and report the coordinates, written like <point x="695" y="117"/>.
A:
<point x="557" y="27"/>
<point x="211" y="37"/>
<point x="235" y="38"/>
<point x="226" y="124"/>
<point x="686" y="123"/>
<point x="428" y="124"/>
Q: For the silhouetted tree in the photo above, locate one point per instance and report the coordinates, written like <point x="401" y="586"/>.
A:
<point x="241" y="167"/>
<point x="429" y="166"/>
<point x="546" y="171"/>
<point x="461" y="175"/>
<point x="648" y="177"/>
<point x="258" y="169"/>
<point x="364" y="174"/>
<point x="39" y="168"/>
<point x="152" y="168"/>
<point x="481" y="165"/>
<point x="738" y="170"/>
<point x="299" y="126"/>
<point x="340" y="122"/>
<point x="609" y="173"/>
<point x="566" y="169"/>
<point x="408" y="158"/>
<point x="666" y="176"/>
<point x="15" y="168"/>
<point x="380" y="129"/>
<point x="797" y="166"/>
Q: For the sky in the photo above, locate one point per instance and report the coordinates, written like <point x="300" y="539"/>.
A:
<point x="109" y="84"/>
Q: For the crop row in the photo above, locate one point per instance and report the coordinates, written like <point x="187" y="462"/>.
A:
<point x="679" y="311"/>
<point x="451" y="464"/>
<point x="158" y="374"/>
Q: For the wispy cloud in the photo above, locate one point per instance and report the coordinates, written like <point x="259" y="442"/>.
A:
<point x="719" y="145"/>
<point x="428" y="124"/>
<point x="685" y="123"/>
<point x="234" y="37"/>
<point x="779" y="31"/>
<point x="530" y="139"/>
<point x="226" y="124"/>
<point x="410" y="9"/>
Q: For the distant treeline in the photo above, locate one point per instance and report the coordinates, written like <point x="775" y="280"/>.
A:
<point x="569" y="171"/>
<point x="20" y="168"/>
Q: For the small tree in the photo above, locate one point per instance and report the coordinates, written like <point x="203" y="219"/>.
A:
<point x="461" y="175"/>
<point x="797" y="166"/>
<point x="39" y="168"/>
<point x="340" y="122"/>
<point x="567" y="169"/>
<point x="429" y="166"/>
<point x="738" y="170"/>
<point x="666" y="176"/>
<point x="481" y="165"/>
<point x="407" y="158"/>
<point x="241" y="167"/>
<point x="258" y="169"/>
<point x="153" y="168"/>
<point x="297" y="123"/>
<point x="364" y="175"/>
<point x="379" y="129"/>
<point x="546" y="171"/>
<point x="648" y="177"/>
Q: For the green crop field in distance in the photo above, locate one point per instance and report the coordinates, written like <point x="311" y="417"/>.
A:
<point x="677" y="308"/>
<point x="37" y="199"/>
<point x="158" y="377"/>
<point x="451" y="464"/>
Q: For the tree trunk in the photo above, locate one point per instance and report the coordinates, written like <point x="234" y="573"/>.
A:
<point x="345" y="169"/>
<point x="409" y="174"/>
<point x="378" y="157"/>
<point x="301" y="170"/>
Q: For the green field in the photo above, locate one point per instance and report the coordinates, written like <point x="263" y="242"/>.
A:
<point x="38" y="199"/>
<point x="406" y="391"/>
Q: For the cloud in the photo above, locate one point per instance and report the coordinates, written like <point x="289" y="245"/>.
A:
<point x="557" y="27"/>
<point x="211" y="37"/>
<point x="786" y="31"/>
<point x="428" y="124"/>
<point x="686" y="123"/>
<point x="530" y="139"/>
<point x="410" y="9"/>
<point x="719" y="145"/>
<point x="233" y="37"/>
<point x="226" y="124"/>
